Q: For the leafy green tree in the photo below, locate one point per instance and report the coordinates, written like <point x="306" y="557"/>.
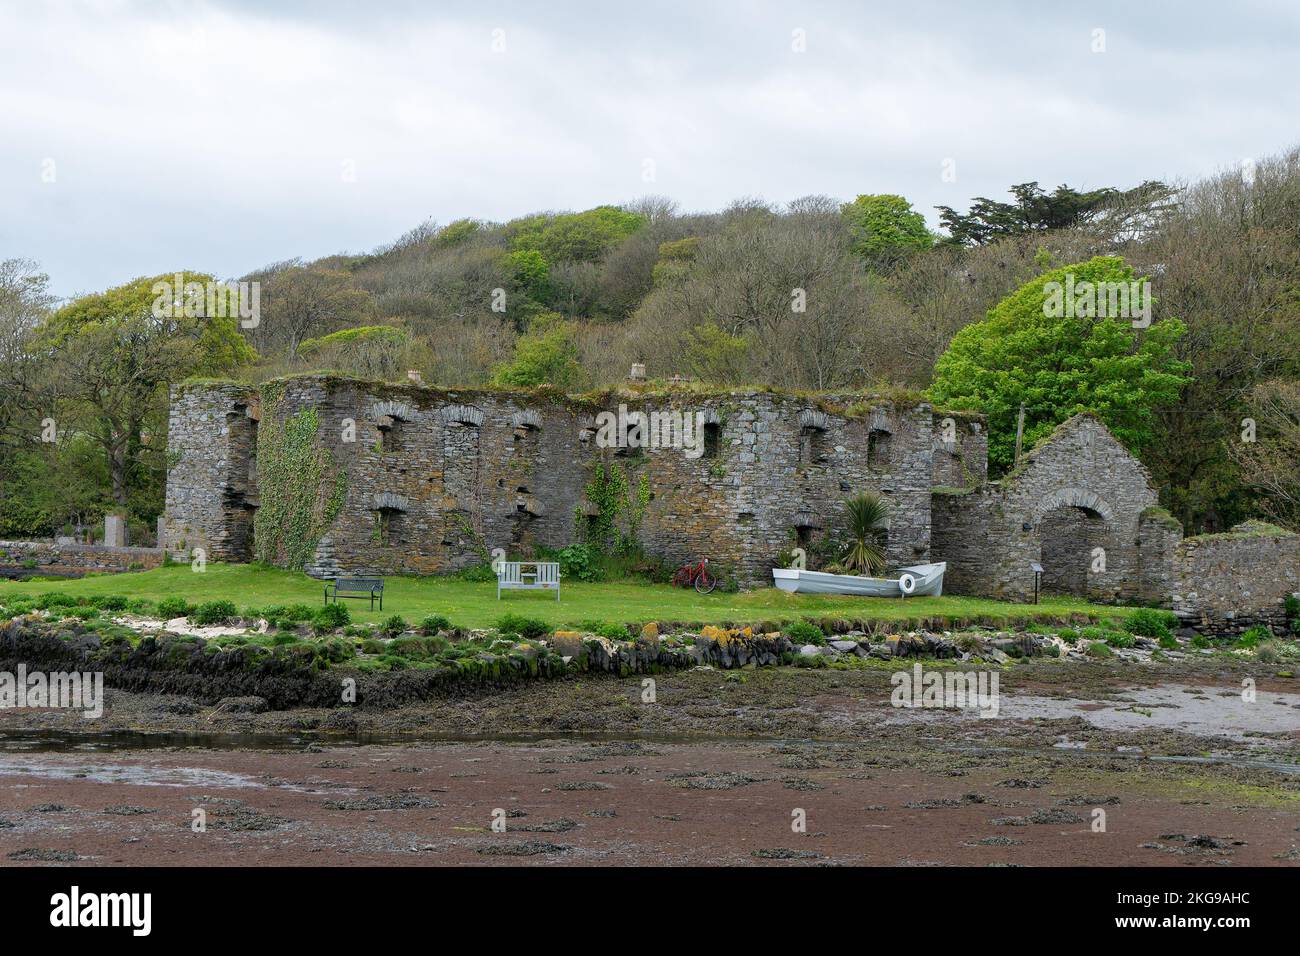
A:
<point x="546" y="355"/>
<point x="885" y="228"/>
<point x="114" y="354"/>
<point x="1060" y="366"/>
<point x="576" y="237"/>
<point x="530" y="274"/>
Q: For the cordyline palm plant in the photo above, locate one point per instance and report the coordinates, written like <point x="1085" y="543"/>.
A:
<point x="867" y="514"/>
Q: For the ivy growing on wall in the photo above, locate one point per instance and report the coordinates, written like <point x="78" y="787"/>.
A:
<point x="298" y="501"/>
<point x="618" y="504"/>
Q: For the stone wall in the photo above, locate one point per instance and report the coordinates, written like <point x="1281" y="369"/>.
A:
<point x="431" y="480"/>
<point x="960" y="451"/>
<point x="783" y="467"/>
<point x="20" y="558"/>
<point x="212" y="470"/>
<point x="1077" y="491"/>
<point x="1228" y="582"/>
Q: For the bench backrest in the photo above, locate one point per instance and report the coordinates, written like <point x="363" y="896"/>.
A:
<point x="358" y="584"/>
<point x="511" y="572"/>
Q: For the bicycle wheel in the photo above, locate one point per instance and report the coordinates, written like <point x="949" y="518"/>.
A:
<point x="705" y="582"/>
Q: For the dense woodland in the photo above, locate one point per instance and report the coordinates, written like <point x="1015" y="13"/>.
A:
<point x="815" y="294"/>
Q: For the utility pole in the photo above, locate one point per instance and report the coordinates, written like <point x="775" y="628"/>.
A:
<point x="1020" y="431"/>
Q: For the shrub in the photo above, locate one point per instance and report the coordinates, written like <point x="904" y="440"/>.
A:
<point x="1200" y="642"/>
<point x="1169" y="642"/>
<point x="580" y="561"/>
<point x="528" y="627"/>
<point x="283" y="638"/>
<point x="804" y="632"/>
<point x="140" y="606"/>
<point x="1099" y="650"/>
<point x="1119" y="639"/>
<point x="85" y="613"/>
<point x="1151" y="622"/>
<point x="372" y="646"/>
<point x="330" y="617"/>
<point x="213" y="612"/>
<point x="1253" y="636"/>
<point x="1068" y="634"/>
<point x="174" y="607"/>
<point x="279" y="616"/>
<point x="394" y="625"/>
<point x="53" y="599"/>
<point x="613" y="632"/>
<point x="110" y="602"/>
<point x="435" y="623"/>
<point x="336" y="650"/>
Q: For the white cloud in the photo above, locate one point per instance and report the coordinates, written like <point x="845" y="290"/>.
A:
<point x="213" y="136"/>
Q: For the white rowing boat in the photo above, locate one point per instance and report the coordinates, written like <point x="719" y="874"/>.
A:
<point x="920" y="579"/>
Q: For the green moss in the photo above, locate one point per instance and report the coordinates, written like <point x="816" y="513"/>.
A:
<point x="1247" y="529"/>
<point x="1161" y="516"/>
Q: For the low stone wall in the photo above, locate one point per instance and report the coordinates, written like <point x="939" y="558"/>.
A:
<point x="1224" y="583"/>
<point x="21" y="558"/>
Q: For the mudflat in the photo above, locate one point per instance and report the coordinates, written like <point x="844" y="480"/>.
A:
<point x="1097" y="765"/>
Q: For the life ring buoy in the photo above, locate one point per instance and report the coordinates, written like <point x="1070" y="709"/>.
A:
<point x="907" y="584"/>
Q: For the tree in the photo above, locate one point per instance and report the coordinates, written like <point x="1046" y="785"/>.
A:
<point x="114" y="354"/>
<point x="1269" y="449"/>
<point x="24" y="302"/>
<point x="1228" y="265"/>
<point x="302" y="302"/>
<point x="1060" y="365"/>
<point x="380" y="352"/>
<point x="1036" y="211"/>
<point x="546" y="355"/>
<point x="576" y="237"/>
<point x="885" y="229"/>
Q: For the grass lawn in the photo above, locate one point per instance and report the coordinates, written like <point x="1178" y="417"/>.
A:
<point x="473" y="604"/>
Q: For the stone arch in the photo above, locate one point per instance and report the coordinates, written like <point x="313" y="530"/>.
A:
<point x="1073" y="498"/>
<point x="463" y="415"/>
<point x="527" y="418"/>
<point x="1070" y="525"/>
<point x="398" y="411"/>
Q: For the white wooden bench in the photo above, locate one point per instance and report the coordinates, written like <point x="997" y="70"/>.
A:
<point x="543" y="576"/>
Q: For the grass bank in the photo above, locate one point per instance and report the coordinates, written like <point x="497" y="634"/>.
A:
<point x="474" y="604"/>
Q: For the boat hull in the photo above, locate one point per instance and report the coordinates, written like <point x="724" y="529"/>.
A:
<point x="928" y="578"/>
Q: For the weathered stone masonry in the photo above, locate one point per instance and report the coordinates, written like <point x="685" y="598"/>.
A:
<point x="1082" y="507"/>
<point x="418" y="480"/>
<point x="436" y="479"/>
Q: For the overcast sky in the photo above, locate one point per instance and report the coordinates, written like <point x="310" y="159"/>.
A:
<point x="138" y="138"/>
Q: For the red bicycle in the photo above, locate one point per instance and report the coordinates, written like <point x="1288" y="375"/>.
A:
<point x="697" y="576"/>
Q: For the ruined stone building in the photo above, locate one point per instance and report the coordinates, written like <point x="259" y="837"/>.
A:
<point x="340" y="476"/>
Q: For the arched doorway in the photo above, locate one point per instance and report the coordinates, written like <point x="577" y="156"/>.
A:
<point x="1072" y="534"/>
